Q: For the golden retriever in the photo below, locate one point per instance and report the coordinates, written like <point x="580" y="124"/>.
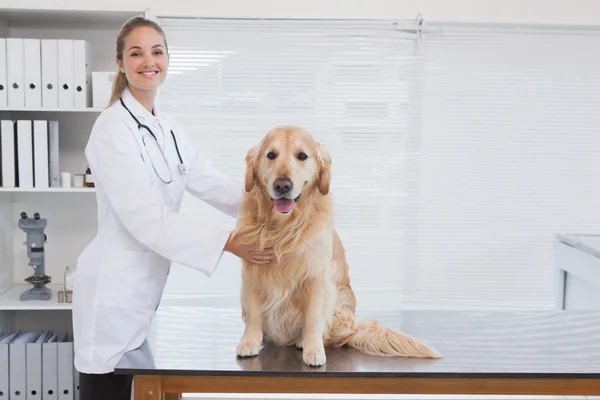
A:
<point x="305" y="299"/>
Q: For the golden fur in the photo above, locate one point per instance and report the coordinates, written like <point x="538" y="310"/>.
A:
<point x="306" y="298"/>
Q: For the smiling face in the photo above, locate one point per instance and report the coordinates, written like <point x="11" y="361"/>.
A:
<point x="287" y="164"/>
<point x="144" y="60"/>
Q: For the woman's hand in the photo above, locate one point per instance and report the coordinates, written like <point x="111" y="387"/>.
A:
<point x="249" y="253"/>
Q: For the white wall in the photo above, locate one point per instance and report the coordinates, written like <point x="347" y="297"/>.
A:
<point x="580" y="12"/>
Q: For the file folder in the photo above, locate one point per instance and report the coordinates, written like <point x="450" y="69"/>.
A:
<point x="24" y="154"/>
<point x="4" y="364"/>
<point x="33" y="73"/>
<point x="49" y="67"/>
<point x="8" y="148"/>
<point x="40" y="154"/>
<point x="53" y="158"/>
<point x="65" y="73"/>
<point x="3" y="80"/>
<point x="33" y="352"/>
<point x="17" y="356"/>
<point x="65" y="368"/>
<point x="82" y="73"/>
<point x="15" y="72"/>
<point x="50" y="368"/>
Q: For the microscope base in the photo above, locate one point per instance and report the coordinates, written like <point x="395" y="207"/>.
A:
<point x="36" y="293"/>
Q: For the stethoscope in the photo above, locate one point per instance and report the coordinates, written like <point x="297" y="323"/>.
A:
<point x="181" y="165"/>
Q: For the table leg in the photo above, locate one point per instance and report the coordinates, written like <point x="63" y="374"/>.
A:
<point x="147" y="387"/>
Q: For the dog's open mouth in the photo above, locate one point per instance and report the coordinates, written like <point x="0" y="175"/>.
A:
<point x="284" y="205"/>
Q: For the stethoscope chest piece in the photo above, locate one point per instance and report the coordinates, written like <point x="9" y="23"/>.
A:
<point x="182" y="166"/>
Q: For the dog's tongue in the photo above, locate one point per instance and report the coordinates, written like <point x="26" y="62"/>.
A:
<point x="284" y="205"/>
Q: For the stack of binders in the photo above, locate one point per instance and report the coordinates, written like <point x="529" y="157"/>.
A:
<point x="37" y="365"/>
<point x="45" y="73"/>
<point x="29" y="154"/>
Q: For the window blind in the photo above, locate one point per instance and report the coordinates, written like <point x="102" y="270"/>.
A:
<point x="348" y="82"/>
<point x="508" y="157"/>
<point x="456" y="158"/>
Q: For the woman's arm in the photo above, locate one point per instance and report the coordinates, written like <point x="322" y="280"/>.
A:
<point x="212" y="186"/>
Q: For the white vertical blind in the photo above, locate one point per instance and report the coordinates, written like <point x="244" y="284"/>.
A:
<point x="509" y="156"/>
<point x="455" y="160"/>
<point x="347" y="82"/>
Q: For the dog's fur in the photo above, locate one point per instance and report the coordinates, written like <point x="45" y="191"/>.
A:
<point x="305" y="299"/>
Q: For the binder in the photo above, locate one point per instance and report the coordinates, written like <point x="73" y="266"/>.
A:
<point x="15" y="72"/>
<point x="49" y="67"/>
<point x="75" y="380"/>
<point x="33" y="73"/>
<point x="8" y="148"/>
<point x="82" y="73"/>
<point x="65" y="73"/>
<point x="17" y="358"/>
<point x="49" y="368"/>
<point x="53" y="159"/>
<point x="24" y="154"/>
<point x="4" y="363"/>
<point x="33" y="353"/>
<point x="41" y="173"/>
<point x="65" y="368"/>
<point x="3" y="80"/>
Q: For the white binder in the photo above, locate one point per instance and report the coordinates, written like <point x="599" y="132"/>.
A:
<point x="4" y="363"/>
<point x="3" y="81"/>
<point x="24" y="154"/>
<point x="41" y="171"/>
<point x="15" y="72"/>
<point x="65" y="369"/>
<point x="33" y="355"/>
<point x="7" y="144"/>
<point x="53" y="159"/>
<point x="65" y="73"/>
<point x="82" y="73"/>
<point x="33" y="73"/>
<point x="18" y="364"/>
<point x="49" y="368"/>
<point x="49" y="67"/>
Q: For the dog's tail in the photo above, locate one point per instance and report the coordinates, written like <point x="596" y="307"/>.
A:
<point x="370" y="337"/>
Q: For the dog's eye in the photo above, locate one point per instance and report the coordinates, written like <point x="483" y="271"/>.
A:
<point x="302" y="156"/>
<point x="271" y="155"/>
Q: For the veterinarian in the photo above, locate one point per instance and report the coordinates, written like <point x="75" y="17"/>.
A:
<point x="142" y="163"/>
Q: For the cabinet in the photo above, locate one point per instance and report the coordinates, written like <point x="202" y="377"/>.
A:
<point x="70" y="212"/>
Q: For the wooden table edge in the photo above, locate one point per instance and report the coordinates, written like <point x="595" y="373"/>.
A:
<point x="152" y="387"/>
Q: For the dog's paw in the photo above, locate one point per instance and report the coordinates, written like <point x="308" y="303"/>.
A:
<point x="314" y="356"/>
<point x="248" y="347"/>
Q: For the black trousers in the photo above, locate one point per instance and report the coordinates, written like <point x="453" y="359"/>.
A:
<point x="105" y="386"/>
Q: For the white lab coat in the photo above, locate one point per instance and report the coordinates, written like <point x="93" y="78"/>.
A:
<point x="121" y="274"/>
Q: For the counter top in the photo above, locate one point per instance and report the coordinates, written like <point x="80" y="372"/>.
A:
<point x="554" y="344"/>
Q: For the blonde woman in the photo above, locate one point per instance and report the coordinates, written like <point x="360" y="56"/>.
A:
<point x="143" y="163"/>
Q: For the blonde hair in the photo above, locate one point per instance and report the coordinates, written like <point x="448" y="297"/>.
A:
<point x="120" y="82"/>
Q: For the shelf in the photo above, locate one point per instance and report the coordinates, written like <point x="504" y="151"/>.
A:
<point x="49" y="190"/>
<point x="82" y="16"/>
<point x="9" y="300"/>
<point x="53" y="109"/>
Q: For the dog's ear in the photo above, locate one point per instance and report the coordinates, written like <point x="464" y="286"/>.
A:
<point x="250" y="175"/>
<point x="324" y="160"/>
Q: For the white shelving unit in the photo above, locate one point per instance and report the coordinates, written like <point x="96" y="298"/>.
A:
<point x="71" y="212"/>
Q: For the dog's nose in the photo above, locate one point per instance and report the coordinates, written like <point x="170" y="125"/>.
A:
<point x="282" y="185"/>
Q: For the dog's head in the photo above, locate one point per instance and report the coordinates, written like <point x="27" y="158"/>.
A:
<point x="288" y="164"/>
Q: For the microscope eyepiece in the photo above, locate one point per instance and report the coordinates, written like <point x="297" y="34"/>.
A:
<point x="36" y="215"/>
<point x="23" y="215"/>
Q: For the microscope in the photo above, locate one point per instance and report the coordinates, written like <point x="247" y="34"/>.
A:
<point x="34" y="228"/>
